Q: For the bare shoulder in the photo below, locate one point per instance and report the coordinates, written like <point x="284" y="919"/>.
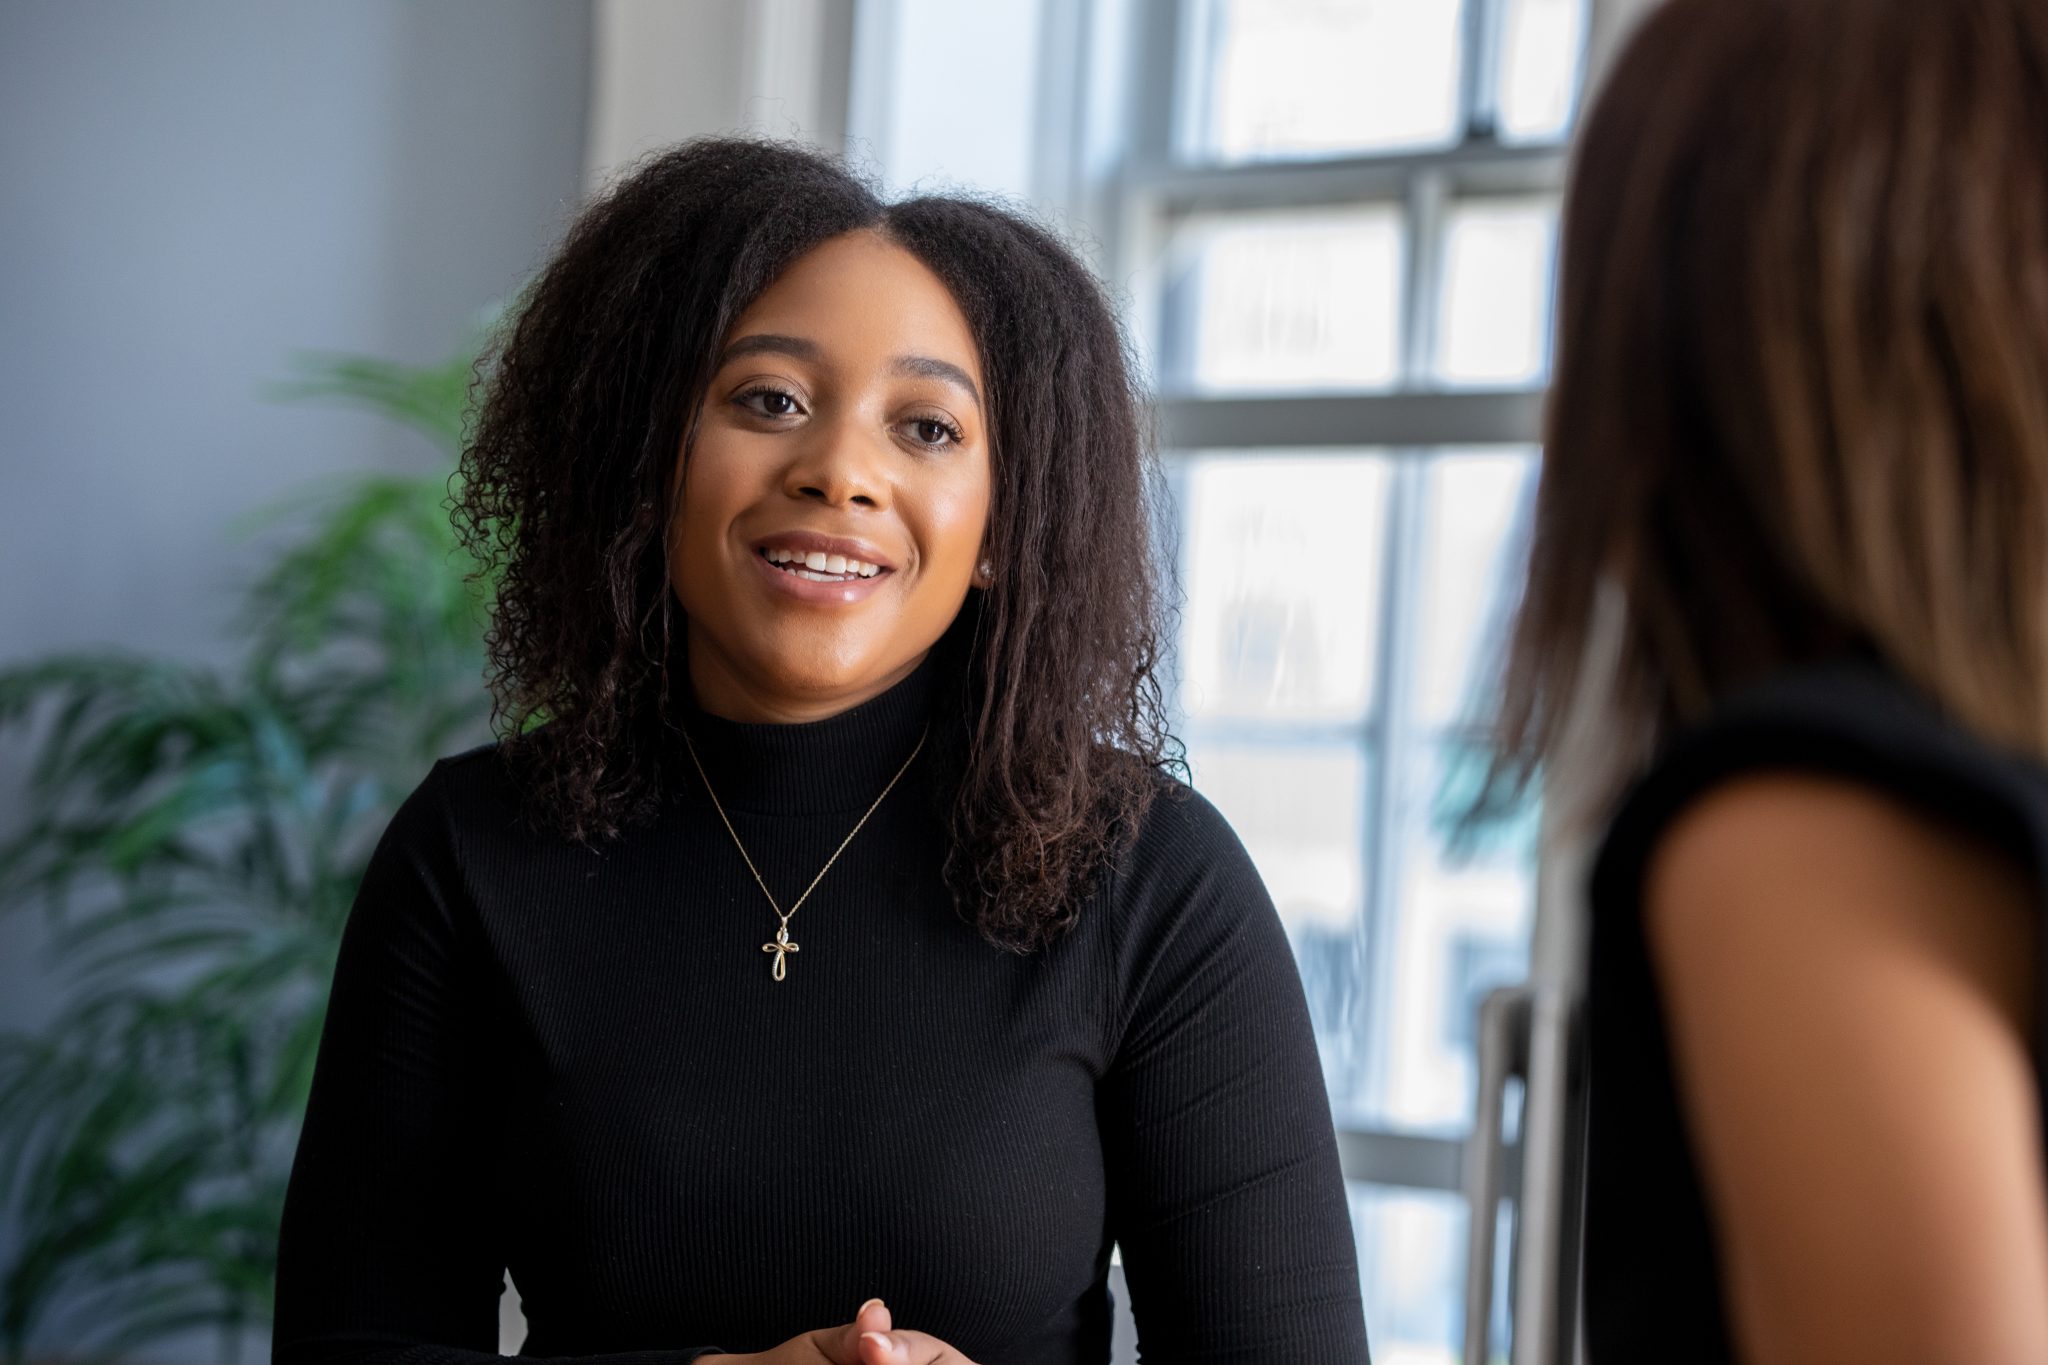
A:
<point x="1805" y="866"/>
<point x="1847" y="985"/>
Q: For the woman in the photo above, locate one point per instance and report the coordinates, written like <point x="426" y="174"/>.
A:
<point x="1799" y="431"/>
<point x="834" y="976"/>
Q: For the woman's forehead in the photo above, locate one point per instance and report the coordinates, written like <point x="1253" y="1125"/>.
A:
<point x="859" y="296"/>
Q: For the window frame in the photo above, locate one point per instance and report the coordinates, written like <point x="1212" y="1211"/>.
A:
<point x="1157" y="181"/>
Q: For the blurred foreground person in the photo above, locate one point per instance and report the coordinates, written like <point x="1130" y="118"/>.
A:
<point x="1794" y="509"/>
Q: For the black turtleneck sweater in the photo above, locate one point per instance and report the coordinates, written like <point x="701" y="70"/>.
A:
<point x="576" y="1065"/>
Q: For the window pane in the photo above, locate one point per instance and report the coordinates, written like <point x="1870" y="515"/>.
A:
<point x="1283" y="572"/>
<point x="1475" y="506"/>
<point x="1289" y="301"/>
<point x="1397" y="941"/>
<point x="1539" y="67"/>
<point x="1294" y="78"/>
<point x="1411" y="1258"/>
<point x="1495" y="318"/>
<point x="1300" y="809"/>
<point x="1461" y="929"/>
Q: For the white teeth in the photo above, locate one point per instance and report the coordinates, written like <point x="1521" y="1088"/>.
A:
<point x="820" y="567"/>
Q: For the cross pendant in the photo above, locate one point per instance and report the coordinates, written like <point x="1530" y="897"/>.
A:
<point x="781" y="947"/>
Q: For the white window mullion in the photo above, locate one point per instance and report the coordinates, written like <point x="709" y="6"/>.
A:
<point x="1479" y="74"/>
<point x="1383" y="837"/>
<point x="1426" y="208"/>
<point x="1175" y="186"/>
<point x="1352" y="421"/>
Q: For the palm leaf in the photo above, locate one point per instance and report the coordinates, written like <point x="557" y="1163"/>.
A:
<point x="195" y="837"/>
<point x="432" y="400"/>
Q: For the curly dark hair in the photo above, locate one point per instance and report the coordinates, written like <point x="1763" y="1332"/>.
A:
<point x="1051" y="736"/>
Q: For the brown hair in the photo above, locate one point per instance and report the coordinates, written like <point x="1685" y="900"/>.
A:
<point x="1800" y="403"/>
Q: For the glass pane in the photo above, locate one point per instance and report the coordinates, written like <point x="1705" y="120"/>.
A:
<point x="1539" y="67"/>
<point x="1286" y="301"/>
<point x="1495" y="316"/>
<point x="1411" y="1259"/>
<point x="1300" y="810"/>
<point x="1294" y="78"/>
<point x="1283" y="571"/>
<point x="1465" y="900"/>
<point x="1476" y="505"/>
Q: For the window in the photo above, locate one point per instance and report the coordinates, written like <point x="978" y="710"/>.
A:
<point x="1335" y="224"/>
<point x="1343" y="238"/>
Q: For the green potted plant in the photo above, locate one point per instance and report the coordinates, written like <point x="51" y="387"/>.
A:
<point x="194" y="840"/>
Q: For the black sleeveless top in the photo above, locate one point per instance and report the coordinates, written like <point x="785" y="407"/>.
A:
<point x="1652" y="1287"/>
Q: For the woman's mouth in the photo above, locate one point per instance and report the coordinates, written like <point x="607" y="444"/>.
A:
<point x="819" y="567"/>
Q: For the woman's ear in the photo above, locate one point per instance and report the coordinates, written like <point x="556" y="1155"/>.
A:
<point x="984" y="573"/>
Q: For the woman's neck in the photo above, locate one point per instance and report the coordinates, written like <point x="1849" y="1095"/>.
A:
<point x="719" y="690"/>
<point x="836" y="762"/>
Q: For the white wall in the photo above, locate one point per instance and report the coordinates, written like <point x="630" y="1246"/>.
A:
<point x="685" y="68"/>
<point x="946" y="95"/>
<point x="192" y="192"/>
<point x="931" y="93"/>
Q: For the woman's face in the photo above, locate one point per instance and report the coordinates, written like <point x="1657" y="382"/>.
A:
<point x="836" y="499"/>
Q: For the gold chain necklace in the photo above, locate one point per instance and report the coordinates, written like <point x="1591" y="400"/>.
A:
<point x="781" y="946"/>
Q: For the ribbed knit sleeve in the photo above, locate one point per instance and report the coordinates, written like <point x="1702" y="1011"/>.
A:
<point x="1225" y="1193"/>
<point x="391" y="1251"/>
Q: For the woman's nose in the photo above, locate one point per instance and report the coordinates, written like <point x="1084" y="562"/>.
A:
<point x="840" y="464"/>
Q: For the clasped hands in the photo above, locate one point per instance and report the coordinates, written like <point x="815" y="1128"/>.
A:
<point x="870" y="1339"/>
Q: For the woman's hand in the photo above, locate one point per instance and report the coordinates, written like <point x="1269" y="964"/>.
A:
<point x="828" y="1346"/>
<point x="886" y="1346"/>
<point x="870" y="1339"/>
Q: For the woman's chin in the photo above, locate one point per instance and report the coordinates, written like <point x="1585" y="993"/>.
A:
<point x="814" y="681"/>
<point x="794" y="669"/>
<point x="849" y="686"/>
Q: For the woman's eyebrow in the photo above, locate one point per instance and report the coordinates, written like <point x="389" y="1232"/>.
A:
<point x="926" y="367"/>
<point x="803" y="348"/>
<point x="762" y="343"/>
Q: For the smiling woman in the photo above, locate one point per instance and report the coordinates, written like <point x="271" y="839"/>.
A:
<point x="828" y="590"/>
<point x="835" y="506"/>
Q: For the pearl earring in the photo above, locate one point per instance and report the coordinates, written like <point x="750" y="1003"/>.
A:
<point x="987" y="571"/>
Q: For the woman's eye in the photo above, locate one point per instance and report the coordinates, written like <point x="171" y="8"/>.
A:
<point x="771" y="402"/>
<point x="933" y="432"/>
